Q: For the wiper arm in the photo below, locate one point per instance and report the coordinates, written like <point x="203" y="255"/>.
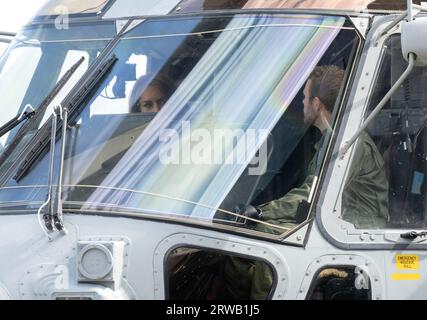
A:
<point x="412" y="235"/>
<point x="39" y="111"/>
<point x="53" y="217"/>
<point x="57" y="204"/>
<point x="17" y="120"/>
<point x="42" y="139"/>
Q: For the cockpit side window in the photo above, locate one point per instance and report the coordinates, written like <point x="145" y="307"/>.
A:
<point x="200" y="274"/>
<point x="392" y="153"/>
<point x="339" y="283"/>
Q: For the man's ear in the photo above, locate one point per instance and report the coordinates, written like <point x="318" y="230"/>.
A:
<point x="317" y="104"/>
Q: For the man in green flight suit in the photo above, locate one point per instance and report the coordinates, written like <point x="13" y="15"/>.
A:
<point x="365" y="194"/>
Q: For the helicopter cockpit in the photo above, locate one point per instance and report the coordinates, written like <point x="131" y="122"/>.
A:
<point x="213" y="145"/>
<point x="164" y="129"/>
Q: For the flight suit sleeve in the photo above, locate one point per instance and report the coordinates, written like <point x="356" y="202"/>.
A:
<point x="365" y="195"/>
<point x="283" y="211"/>
<point x="286" y="207"/>
<point x="262" y="281"/>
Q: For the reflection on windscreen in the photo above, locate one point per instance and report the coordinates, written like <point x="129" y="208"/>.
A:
<point x="198" y="117"/>
<point x="35" y="62"/>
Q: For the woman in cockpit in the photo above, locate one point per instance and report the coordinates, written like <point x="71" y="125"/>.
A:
<point x="149" y="94"/>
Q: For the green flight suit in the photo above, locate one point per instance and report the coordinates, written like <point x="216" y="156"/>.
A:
<point x="365" y="194"/>
<point x="364" y="203"/>
<point x="283" y="211"/>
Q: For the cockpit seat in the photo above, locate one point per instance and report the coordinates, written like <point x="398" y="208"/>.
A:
<point x="399" y="136"/>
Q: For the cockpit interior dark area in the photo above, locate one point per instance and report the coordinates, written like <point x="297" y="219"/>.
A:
<point x="401" y="136"/>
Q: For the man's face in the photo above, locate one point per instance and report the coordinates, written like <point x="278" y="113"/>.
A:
<point x="310" y="113"/>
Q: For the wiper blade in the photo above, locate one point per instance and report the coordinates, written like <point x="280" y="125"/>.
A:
<point x="42" y="138"/>
<point x="40" y="110"/>
<point x="412" y="235"/>
<point x="17" y="120"/>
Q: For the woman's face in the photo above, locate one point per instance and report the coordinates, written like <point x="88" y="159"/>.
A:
<point x="152" y="100"/>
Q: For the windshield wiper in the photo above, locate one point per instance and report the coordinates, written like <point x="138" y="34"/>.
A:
<point x="35" y="113"/>
<point x="17" y="120"/>
<point x="412" y="235"/>
<point x="53" y="217"/>
<point x="74" y="107"/>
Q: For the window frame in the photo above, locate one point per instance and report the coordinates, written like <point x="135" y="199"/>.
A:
<point x="337" y="231"/>
<point x="222" y="245"/>
<point x="377" y="278"/>
<point x="222" y="252"/>
<point x="316" y="280"/>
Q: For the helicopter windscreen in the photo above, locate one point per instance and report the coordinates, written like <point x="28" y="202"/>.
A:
<point x="37" y="59"/>
<point x="195" y="109"/>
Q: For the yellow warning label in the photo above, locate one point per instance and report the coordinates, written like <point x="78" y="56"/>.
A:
<point x="406" y="276"/>
<point x="407" y="262"/>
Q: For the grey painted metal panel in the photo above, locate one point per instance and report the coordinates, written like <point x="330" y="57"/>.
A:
<point x="129" y="8"/>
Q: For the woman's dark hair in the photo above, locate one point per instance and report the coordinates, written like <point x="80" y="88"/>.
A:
<point x="148" y="80"/>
